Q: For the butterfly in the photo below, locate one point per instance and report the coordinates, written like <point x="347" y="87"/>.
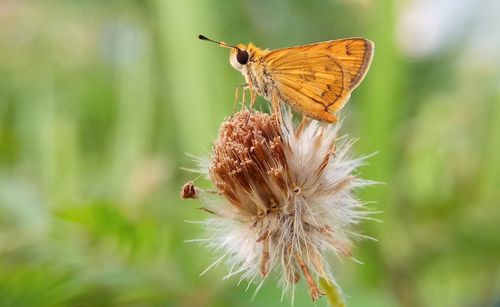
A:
<point x="316" y="80"/>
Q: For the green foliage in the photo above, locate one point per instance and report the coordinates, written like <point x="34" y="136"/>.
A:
<point x="100" y="101"/>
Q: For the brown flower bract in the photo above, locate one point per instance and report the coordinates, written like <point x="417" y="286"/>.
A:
<point x="247" y="156"/>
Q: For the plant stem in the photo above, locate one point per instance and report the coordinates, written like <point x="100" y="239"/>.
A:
<point x="333" y="293"/>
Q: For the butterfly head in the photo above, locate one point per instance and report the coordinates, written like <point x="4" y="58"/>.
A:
<point x="239" y="55"/>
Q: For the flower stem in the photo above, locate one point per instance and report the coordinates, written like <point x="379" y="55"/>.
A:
<point x="333" y="293"/>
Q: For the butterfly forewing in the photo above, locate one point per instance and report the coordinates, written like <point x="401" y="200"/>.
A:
<point x="320" y="77"/>
<point x="354" y="55"/>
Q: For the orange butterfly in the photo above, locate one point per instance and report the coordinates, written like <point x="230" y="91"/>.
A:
<point x="315" y="80"/>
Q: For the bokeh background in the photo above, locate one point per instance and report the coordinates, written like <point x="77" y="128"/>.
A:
<point x="101" y="100"/>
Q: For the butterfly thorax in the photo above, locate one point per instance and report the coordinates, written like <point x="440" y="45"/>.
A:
<point x="256" y="72"/>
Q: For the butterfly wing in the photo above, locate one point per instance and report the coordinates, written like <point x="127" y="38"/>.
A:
<point x="319" y="78"/>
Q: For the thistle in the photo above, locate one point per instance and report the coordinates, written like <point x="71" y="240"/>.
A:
<point x="283" y="198"/>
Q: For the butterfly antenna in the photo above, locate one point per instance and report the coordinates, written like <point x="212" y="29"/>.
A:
<point x="222" y="44"/>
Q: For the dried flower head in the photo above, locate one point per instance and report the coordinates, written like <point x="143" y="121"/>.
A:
<point x="287" y="197"/>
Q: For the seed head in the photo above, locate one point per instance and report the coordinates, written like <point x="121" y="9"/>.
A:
<point x="286" y="197"/>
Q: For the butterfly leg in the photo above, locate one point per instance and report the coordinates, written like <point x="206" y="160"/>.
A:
<point x="276" y="107"/>
<point x="244" y="96"/>
<point x="252" y="98"/>
<point x="237" y="94"/>
<point x="252" y="92"/>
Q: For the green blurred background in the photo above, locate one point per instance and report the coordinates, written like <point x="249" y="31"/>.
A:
<point x="101" y="100"/>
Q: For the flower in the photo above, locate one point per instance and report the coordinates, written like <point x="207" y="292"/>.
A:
<point x="283" y="199"/>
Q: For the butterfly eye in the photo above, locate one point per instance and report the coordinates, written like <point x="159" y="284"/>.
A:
<point x="242" y="57"/>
